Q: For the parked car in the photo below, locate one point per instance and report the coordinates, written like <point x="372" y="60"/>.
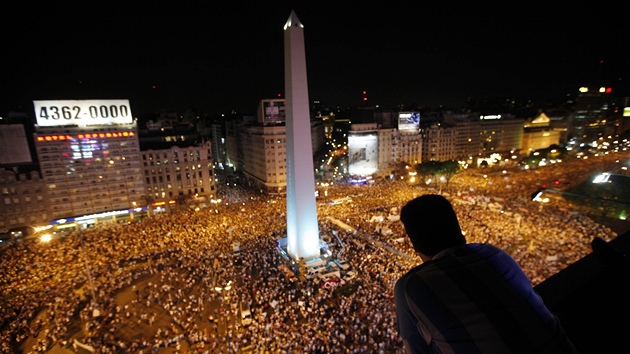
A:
<point x="246" y="314"/>
<point x="349" y="275"/>
<point x="332" y="266"/>
<point x="314" y="271"/>
<point x="343" y="264"/>
<point x="324" y="276"/>
<point x="315" y="262"/>
<point x="288" y="273"/>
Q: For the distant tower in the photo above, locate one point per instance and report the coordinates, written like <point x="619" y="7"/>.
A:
<point x="302" y="225"/>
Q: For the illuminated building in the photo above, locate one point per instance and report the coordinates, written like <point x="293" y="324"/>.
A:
<point x="501" y="133"/>
<point x="484" y="135"/>
<point x="90" y="171"/>
<point x="91" y="164"/>
<point x="438" y="142"/>
<point x="24" y="200"/>
<point x="265" y="158"/>
<point x="363" y="150"/>
<point x="388" y="143"/>
<point x="183" y="174"/>
<point x="592" y="108"/>
<point x="539" y="135"/>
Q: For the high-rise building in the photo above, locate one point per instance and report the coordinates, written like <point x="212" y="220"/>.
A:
<point x="89" y="159"/>
<point x="592" y="108"/>
<point x="265" y="158"/>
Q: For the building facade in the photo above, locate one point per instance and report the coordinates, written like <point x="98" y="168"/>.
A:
<point x="592" y="107"/>
<point x="183" y="176"/>
<point x="538" y="134"/>
<point x="438" y="142"/>
<point x="90" y="170"/>
<point x="24" y="200"/>
<point x="265" y="158"/>
<point x="262" y="148"/>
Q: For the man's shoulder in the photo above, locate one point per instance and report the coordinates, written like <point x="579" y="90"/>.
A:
<point x="426" y="269"/>
<point x="485" y="250"/>
<point x="410" y="274"/>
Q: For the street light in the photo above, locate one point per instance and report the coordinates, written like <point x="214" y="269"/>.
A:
<point x="227" y="288"/>
<point x="95" y="312"/>
<point x="133" y="209"/>
<point x="45" y="238"/>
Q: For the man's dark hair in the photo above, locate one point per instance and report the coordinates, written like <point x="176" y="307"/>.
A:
<point x="431" y="224"/>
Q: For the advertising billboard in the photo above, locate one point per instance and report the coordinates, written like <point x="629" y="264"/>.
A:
<point x="272" y="111"/>
<point x="409" y="121"/>
<point x="54" y="113"/>
<point x="362" y="154"/>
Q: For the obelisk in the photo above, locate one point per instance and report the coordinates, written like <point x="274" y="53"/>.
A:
<point x="302" y="225"/>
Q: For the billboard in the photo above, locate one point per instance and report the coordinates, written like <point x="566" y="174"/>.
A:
<point x="272" y="111"/>
<point x="409" y="121"/>
<point x="362" y="154"/>
<point x="54" y="113"/>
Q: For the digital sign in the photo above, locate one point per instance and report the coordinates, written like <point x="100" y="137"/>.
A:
<point x="84" y="136"/>
<point x="362" y="154"/>
<point x="409" y="121"/>
<point x="273" y="111"/>
<point x="54" y="113"/>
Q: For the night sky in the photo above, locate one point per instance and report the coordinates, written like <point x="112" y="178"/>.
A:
<point x="218" y="58"/>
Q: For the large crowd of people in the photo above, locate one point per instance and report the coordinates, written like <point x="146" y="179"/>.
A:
<point x="160" y="285"/>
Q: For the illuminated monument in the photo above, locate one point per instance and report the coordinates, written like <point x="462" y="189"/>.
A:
<point x="302" y="225"/>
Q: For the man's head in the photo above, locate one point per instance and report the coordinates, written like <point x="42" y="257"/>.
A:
<point x="431" y="224"/>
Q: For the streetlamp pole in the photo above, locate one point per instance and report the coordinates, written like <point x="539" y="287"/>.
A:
<point x="87" y="265"/>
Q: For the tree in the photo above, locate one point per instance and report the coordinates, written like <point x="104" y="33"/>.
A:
<point x="428" y="169"/>
<point x="449" y="169"/>
<point x="436" y="170"/>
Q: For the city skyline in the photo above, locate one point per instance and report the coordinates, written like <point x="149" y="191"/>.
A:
<point x="219" y="58"/>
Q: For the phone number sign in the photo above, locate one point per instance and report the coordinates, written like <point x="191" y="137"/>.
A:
<point x="82" y="112"/>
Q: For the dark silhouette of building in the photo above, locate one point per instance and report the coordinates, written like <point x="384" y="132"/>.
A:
<point x="592" y="297"/>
